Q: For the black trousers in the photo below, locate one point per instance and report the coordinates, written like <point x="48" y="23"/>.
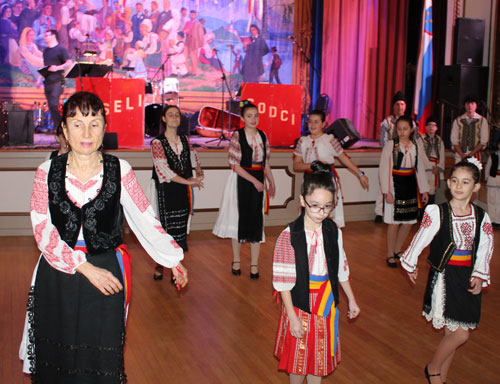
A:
<point x="53" y="92"/>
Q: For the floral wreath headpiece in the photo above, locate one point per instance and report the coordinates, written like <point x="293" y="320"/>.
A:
<point x="244" y="102"/>
<point x="475" y="162"/>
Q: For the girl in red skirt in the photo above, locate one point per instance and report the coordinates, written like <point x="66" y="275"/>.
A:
<point x="309" y="264"/>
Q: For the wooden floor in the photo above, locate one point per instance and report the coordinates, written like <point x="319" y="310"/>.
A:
<point x="221" y="329"/>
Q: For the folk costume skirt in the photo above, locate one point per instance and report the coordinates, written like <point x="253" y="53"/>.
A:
<point x="250" y="206"/>
<point x="407" y="201"/>
<point x="73" y="333"/>
<point x="175" y="202"/>
<point x="447" y="301"/>
<point x="318" y="352"/>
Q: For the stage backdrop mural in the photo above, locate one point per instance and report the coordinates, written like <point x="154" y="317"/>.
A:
<point x="193" y="40"/>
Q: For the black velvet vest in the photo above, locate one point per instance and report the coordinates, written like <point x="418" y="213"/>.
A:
<point x="494" y="165"/>
<point x="397" y="155"/>
<point x="443" y="245"/>
<point x="179" y="164"/>
<point x="300" y="292"/>
<point x="102" y="218"/>
<point x="246" y="149"/>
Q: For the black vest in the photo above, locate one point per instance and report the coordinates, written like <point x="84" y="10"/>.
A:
<point x="179" y="164"/>
<point x="494" y="165"/>
<point x="102" y="218"/>
<point x="397" y="155"/>
<point x="246" y="149"/>
<point x="300" y="292"/>
<point x="443" y="244"/>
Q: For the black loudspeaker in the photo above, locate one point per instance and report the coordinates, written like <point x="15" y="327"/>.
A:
<point x="469" y="41"/>
<point x="153" y="119"/>
<point x="21" y="129"/>
<point x="456" y="82"/>
<point x="110" y="140"/>
<point x="344" y="131"/>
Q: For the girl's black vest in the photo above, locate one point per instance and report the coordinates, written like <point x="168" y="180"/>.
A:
<point x="246" y="149"/>
<point x="179" y="164"/>
<point x="101" y="218"/>
<point x="494" y="164"/>
<point x="300" y="292"/>
<point x="443" y="244"/>
<point x="397" y="155"/>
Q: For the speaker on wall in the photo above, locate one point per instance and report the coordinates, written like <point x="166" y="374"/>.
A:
<point x="21" y="128"/>
<point x="344" y="131"/>
<point x="457" y="81"/>
<point x="469" y="41"/>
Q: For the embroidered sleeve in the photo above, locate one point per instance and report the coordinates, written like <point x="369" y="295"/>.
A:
<point x="298" y="148"/>
<point x="195" y="161"/>
<point x="234" y="151"/>
<point x="385" y="168"/>
<point x="337" y="148"/>
<point x="384" y="128"/>
<point x="163" y="171"/>
<point x="268" y="149"/>
<point x="284" y="274"/>
<point x="429" y="226"/>
<point x="485" y="132"/>
<point x="141" y="218"/>
<point x="343" y="274"/>
<point x="454" y="132"/>
<point x="422" y="165"/>
<point x="55" y="251"/>
<point x="484" y="252"/>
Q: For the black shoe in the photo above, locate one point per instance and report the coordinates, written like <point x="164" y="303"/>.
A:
<point x="428" y="375"/>
<point x="391" y="262"/>
<point x="235" y="272"/>
<point x="158" y="275"/>
<point x="378" y="219"/>
<point x="397" y="255"/>
<point x="254" y="276"/>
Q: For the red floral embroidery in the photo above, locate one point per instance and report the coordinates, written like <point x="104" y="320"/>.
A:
<point x="466" y="230"/>
<point x="160" y="229"/>
<point x="67" y="256"/>
<point x="426" y="221"/>
<point x="174" y="244"/>
<point x="38" y="231"/>
<point x="40" y="194"/>
<point x="135" y="191"/>
<point x="82" y="186"/>
<point x="488" y="229"/>
<point x="53" y="241"/>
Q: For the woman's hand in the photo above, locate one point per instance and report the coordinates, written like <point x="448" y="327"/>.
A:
<point x="413" y="276"/>
<point x="363" y="180"/>
<point x="272" y="189"/>
<point x="180" y="275"/>
<point x="296" y="328"/>
<point x="389" y="198"/>
<point x="100" y="278"/>
<point x="258" y="185"/>
<point x="196" y="182"/>
<point x="425" y="197"/>
<point x="353" y="309"/>
<point x="476" y="285"/>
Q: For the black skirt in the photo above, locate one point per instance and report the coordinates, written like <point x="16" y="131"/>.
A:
<point x="406" y="195"/>
<point x="250" y="217"/>
<point x="173" y="209"/>
<point x="460" y="306"/>
<point x="76" y="333"/>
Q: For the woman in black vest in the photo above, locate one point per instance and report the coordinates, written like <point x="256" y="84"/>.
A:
<point x="308" y="265"/>
<point x="461" y="246"/>
<point x="78" y="302"/>
<point x="241" y="215"/>
<point x="173" y="162"/>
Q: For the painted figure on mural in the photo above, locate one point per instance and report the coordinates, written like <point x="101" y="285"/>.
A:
<point x="255" y="49"/>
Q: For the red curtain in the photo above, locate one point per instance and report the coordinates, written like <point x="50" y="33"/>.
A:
<point x="363" y="59"/>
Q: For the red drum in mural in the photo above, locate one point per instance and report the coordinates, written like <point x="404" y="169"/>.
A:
<point x="124" y="103"/>
<point x="279" y="110"/>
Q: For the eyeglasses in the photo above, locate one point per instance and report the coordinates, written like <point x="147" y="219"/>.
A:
<point x="315" y="208"/>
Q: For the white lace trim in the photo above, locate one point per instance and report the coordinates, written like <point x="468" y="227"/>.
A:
<point x="452" y="325"/>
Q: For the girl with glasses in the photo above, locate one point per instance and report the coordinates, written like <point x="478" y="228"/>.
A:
<point x="309" y="264"/>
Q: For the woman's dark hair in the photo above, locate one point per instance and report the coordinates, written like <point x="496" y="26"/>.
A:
<point x="244" y="105"/>
<point x="59" y="130"/>
<point x="166" y="108"/>
<point x="4" y="9"/>
<point x="475" y="172"/>
<point x="408" y="120"/>
<point x="320" y="113"/>
<point x="86" y="102"/>
<point x="321" y="177"/>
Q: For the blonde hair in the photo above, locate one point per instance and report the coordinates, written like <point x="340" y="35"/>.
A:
<point x="24" y="34"/>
